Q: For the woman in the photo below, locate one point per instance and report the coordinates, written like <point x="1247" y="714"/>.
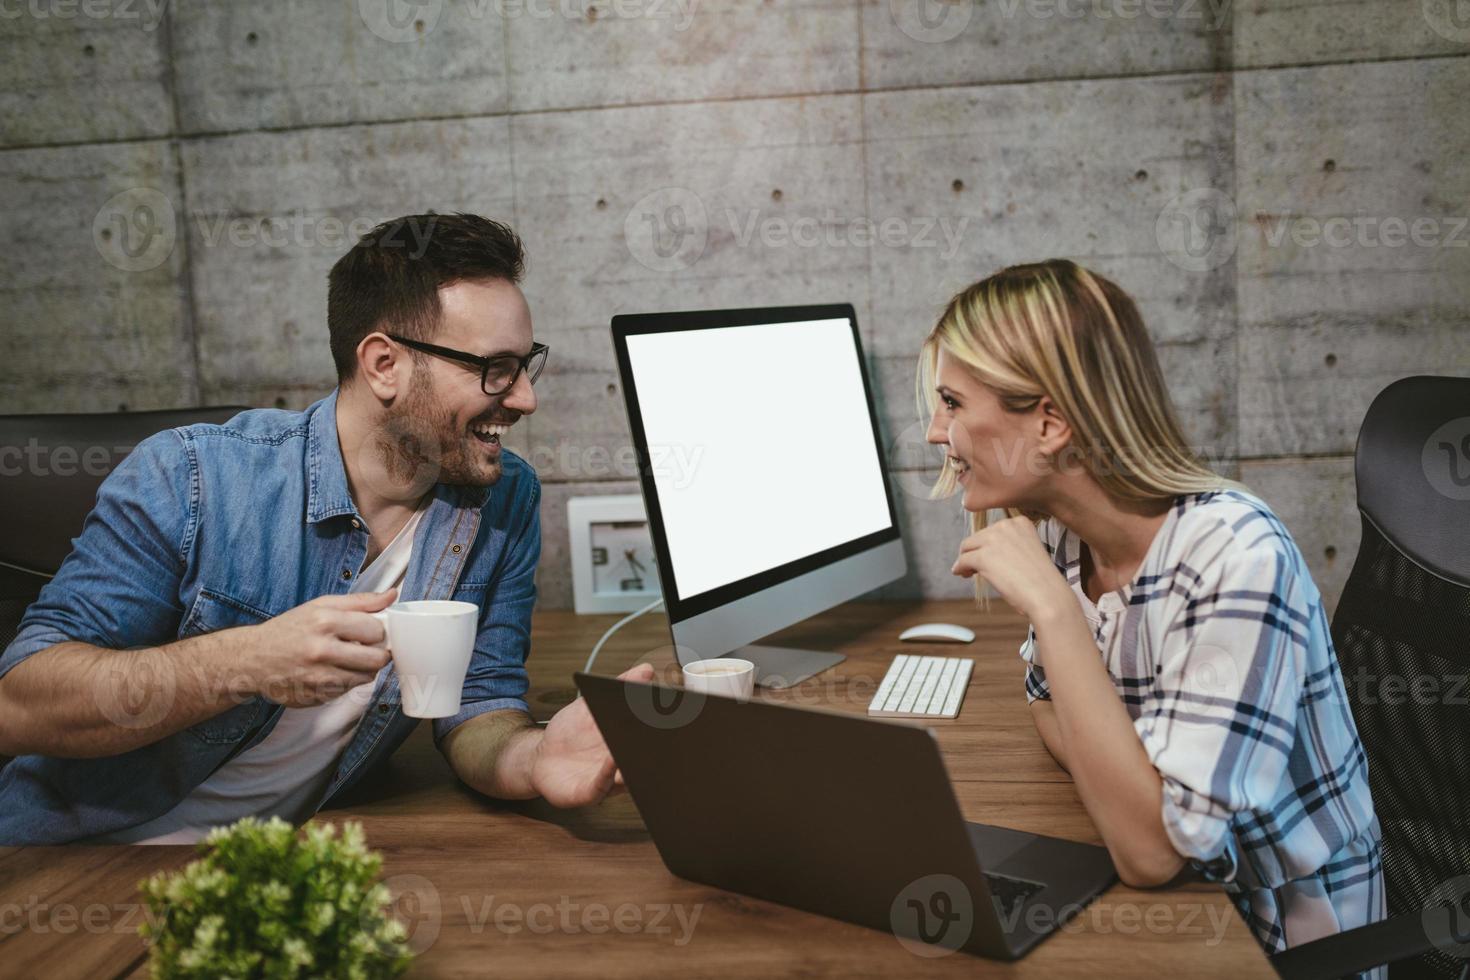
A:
<point x="1213" y="734"/>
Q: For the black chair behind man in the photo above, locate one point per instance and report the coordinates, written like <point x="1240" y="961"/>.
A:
<point x="50" y="469"/>
<point x="1402" y="632"/>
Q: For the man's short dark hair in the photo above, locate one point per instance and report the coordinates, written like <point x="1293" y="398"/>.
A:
<point x="390" y="279"/>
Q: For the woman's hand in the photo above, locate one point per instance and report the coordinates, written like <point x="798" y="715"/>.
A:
<point x="1115" y="778"/>
<point x="1010" y="556"/>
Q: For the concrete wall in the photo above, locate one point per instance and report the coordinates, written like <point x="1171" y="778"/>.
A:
<point x="176" y="179"/>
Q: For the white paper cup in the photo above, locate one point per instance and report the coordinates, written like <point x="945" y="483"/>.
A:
<point x="431" y="641"/>
<point x="725" y="676"/>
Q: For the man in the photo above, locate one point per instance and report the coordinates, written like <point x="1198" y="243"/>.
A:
<point x="206" y="652"/>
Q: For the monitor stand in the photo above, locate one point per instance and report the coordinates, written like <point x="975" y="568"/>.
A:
<point x="782" y="667"/>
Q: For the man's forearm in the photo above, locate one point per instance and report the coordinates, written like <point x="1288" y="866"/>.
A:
<point x="75" y="700"/>
<point x="494" y="753"/>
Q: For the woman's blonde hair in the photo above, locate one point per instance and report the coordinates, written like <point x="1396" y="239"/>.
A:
<point x="1053" y="328"/>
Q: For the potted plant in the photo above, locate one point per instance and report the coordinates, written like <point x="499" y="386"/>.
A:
<point x="264" y="901"/>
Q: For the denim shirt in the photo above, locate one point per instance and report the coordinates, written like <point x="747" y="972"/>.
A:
<point x="208" y="527"/>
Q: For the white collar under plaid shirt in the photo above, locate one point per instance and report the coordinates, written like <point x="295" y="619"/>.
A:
<point x="1220" y="651"/>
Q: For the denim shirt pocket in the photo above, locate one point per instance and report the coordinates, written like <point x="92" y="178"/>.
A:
<point x="475" y="592"/>
<point x="213" y="611"/>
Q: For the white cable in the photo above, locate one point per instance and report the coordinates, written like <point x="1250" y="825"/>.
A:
<point x="28" y="571"/>
<point x="615" y="627"/>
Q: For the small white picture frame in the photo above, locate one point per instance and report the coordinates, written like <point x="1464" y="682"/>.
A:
<point x="613" y="528"/>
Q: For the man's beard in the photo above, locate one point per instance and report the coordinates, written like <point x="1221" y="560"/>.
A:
<point x="420" y="444"/>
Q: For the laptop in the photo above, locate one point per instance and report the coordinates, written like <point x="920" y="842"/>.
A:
<point x="841" y="815"/>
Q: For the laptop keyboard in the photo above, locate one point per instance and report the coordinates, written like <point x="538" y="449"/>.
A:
<point x="1009" y="894"/>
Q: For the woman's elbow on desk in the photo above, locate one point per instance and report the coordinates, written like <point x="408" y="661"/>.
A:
<point x="1139" y="843"/>
<point x="1146" y="865"/>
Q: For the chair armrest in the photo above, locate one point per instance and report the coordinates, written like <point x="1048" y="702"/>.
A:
<point x="1366" y="947"/>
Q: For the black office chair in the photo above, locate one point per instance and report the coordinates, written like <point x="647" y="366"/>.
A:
<point x="1402" y="632"/>
<point x="50" y="469"/>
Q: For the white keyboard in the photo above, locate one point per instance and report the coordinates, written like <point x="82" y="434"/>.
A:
<point x="922" y="687"/>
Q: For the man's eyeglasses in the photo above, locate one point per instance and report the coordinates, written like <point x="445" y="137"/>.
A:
<point x="497" y="374"/>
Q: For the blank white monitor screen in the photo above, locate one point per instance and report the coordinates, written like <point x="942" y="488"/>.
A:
<point x="760" y="444"/>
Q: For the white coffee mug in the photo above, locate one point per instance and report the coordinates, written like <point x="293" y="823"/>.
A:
<point x="726" y="676"/>
<point x="431" y="641"/>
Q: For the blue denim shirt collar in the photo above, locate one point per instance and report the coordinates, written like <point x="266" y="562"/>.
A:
<point x="327" y="494"/>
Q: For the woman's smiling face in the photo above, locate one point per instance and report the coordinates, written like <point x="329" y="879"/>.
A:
<point x="994" y="452"/>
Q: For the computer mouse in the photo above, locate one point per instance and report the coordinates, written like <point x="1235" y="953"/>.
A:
<point x="938" y="633"/>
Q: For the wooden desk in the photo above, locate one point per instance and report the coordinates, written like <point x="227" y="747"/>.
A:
<point x="523" y="889"/>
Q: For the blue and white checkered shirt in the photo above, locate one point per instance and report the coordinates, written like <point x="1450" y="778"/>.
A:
<point x="1220" y="651"/>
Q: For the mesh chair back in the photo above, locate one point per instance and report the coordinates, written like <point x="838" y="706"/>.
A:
<point x="1402" y="632"/>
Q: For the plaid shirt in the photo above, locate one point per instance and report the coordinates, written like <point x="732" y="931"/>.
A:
<point x="1220" y="651"/>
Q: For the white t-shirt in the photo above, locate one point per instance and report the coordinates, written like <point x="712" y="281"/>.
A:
<point x="285" y="773"/>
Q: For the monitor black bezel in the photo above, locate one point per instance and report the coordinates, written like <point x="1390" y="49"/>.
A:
<point x="633" y="324"/>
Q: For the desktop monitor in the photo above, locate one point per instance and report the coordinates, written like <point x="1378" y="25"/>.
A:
<point x="762" y="473"/>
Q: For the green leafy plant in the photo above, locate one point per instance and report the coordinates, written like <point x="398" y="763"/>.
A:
<point x="265" y="902"/>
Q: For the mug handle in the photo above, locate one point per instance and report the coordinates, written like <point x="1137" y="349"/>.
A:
<point x="382" y="616"/>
